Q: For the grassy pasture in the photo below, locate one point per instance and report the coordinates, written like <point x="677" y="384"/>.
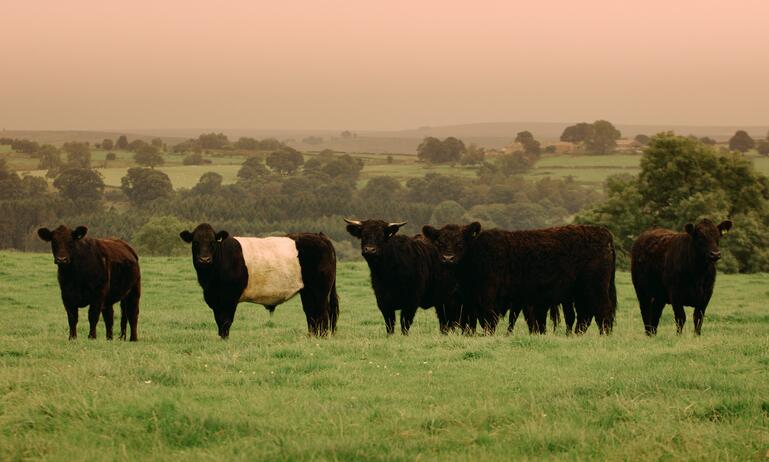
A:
<point x="272" y="393"/>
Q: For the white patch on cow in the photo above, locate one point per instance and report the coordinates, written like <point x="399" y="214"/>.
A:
<point x="274" y="274"/>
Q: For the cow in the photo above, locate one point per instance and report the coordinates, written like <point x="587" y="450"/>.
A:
<point x="96" y="273"/>
<point x="534" y="268"/>
<point x="267" y="271"/>
<point x="406" y="274"/>
<point x="678" y="268"/>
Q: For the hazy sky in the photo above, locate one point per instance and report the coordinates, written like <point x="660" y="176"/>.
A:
<point x="361" y="64"/>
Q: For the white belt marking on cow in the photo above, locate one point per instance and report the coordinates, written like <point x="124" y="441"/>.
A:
<point x="274" y="273"/>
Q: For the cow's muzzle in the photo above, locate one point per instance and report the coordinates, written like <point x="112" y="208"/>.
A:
<point x="715" y="255"/>
<point x="205" y="260"/>
<point x="370" y="250"/>
<point x="61" y="260"/>
<point x="448" y="258"/>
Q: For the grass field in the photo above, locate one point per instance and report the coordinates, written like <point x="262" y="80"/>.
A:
<point x="272" y="393"/>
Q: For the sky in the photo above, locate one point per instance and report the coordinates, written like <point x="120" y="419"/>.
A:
<point x="368" y="65"/>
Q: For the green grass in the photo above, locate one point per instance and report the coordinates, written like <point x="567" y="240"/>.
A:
<point x="272" y="393"/>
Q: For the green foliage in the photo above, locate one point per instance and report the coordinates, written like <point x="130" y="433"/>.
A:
<point x="160" y="236"/>
<point x="10" y="183"/>
<point x="285" y="161"/>
<point x="436" y="151"/>
<point x="122" y="143"/>
<point x="253" y="169"/>
<point x="515" y="163"/>
<point x="473" y="155"/>
<point x="78" y="154"/>
<point x="25" y="146"/>
<point x="148" y="156"/>
<point x="143" y="185"/>
<point x="530" y="145"/>
<point x="81" y="185"/>
<point x="209" y="183"/>
<point x="642" y="139"/>
<point x="110" y="156"/>
<point x="194" y="158"/>
<point x="741" y="142"/>
<point x="447" y="212"/>
<point x="576" y="133"/>
<point x="602" y="137"/>
<point x="213" y="140"/>
<point x="681" y="181"/>
<point x="107" y="144"/>
<point x="763" y="147"/>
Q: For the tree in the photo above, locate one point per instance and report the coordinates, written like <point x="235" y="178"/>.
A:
<point x="576" y="133"/>
<point x="10" y="183"/>
<point x="642" y="139"/>
<point x="436" y="151"/>
<point x="143" y="185"/>
<point x="763" y="147"/>
<point x="473" y="155"/>
<point x="213" y="140"/>
<point x="50" y="158"/>
<point x="160" y="236"/>
<point x="157" y="143"/>
<point x="148" y="156"/>
<point x="312" y="140"/>
<point x="453" y="149"/>
<point x="447" y="212"/>
<point x="248" y="144"/>
<point x="344" y="166"/>
<point x="516" y="163"/>
<point x="80" y="184"/>
<point x="110" y="156"/>
<point x="530" y="145"/>
<point x="286" y="161"/>
<point x="602" y="138"/>
<point x="78" y="154"/>
<point x="209" y="183"/>
<point x="741" y="142"/>
<point x="107" y="144"/>
<point x="252" y="169"/>
<point x="381" y="188"/>
<point x="122" y="143"/>
<point x="708" y="140"/>
<point x="194" y="158"/>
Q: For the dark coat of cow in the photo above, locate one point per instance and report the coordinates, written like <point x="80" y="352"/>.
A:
<point x="676" y="268"/>
<point x="96" y="273"/>
<point x="223" y="275"/>
<point x="406" y="274"/>
<point x="539" y="268"/>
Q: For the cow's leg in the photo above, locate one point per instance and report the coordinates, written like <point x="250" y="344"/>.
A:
<point x="407" y="318"/>
<point x="680" y="315"/>
<point x="389" y="318"/>
<point x="443" y="324"/>
<point x="312" y="311"/>
<point x="468" y="319"/>
<point x="72" y="320"/>
<point x="123" y="318"/>
<point x="132" y="313"/>
<point x="515" y="311"/>
<point x="540" y="315"/>
<point x="653" y="316"/>
<point x="94" y="311"/>
<point x="224" y="316"/>
<point x="109" y="316"/>
<point x="569" y="316"/>
<point x="699" y="315"/>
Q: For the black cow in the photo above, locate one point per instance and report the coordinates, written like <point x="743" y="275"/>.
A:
<point x="676" y="268"/>
<point x="96" y="273"/>
<point x="538" y="268"/>
<point x="406" y="274"/>
<point x="267" y="271"/>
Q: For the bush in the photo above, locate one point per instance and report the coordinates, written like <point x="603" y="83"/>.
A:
<point x="160" y="236"/>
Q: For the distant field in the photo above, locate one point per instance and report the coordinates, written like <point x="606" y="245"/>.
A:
<point x="272" y="393"/>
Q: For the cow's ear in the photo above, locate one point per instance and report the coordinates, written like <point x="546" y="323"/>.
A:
<point x="393" y="228"/>
<point x="45" y="234"/>
<point x="186" y="236"/>
<point x="689" y="228"/>
<point x="222" y="235"/>
<point x="471" y="230"/>
<point x="355" y="230"/>
<point x="725" y="226"/>
<point x="430" y="232"/>
<point x="79" y="232"/>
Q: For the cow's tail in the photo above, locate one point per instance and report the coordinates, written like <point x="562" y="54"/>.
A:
<point x="612" y="284"/>
<point x="334" y="306"/>
<point x="555" y="316"/>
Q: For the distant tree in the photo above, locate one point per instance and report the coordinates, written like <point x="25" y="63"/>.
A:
<point x="516" y="163"/>
<point x="530" y="145"/>
<point x="347" y="134"/>
<point x="107" y="144"/>
<point x="187" y="146"/>
<point x="286" y="161"/>
<point x="157" y="143"/>
<point x="473" y="155"/>
<point x="741" y="142"/>
<point x="252" y="169"/>
<point x="10" y="183"/>
<point x="50" y="158"/>
<point x="78" y="154"/>
<point x="148" y="156"/>
<point x="763" y="147"/>
<point x="312" y="140"/>
<point x="209" y="183"/>
<point x="34" y="186"/>
<point x="430" y="149"/>
<point x="381" y="188"/>
<point x="576" y="133"/>
<point x="248" y="144"/>
<point x="550" y="149"/>
<point x="110" y="156"/>
<point x="271" y="144"/>
<point x="344" y="166"/>
<point x="25" y="146"/>
<point x="326" y="155"/>
<point x="160" y="236"/>
<point x="642" y="139"/>
<point x="195" y="158"/>
<point x="143" y="185"/>
<point x="390" y="159"/>
<point x="213" y="140"/>
<point x="80" y="184"/>
<point x="122" y="143"/>
<point x="447" y="212"/>
<point x="602" y="138"/>
<point x="453" y="149"/>
<point x="707" y="140"/>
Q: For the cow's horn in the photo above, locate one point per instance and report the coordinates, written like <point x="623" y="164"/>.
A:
<point x="352" y="222"/>
<point x="399" y="224"/>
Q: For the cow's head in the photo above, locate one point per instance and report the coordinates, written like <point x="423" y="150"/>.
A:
<point x="373" y="235"/>
<point x="705" y="237"/>
<point x="452" y="240"/>
<point x="205" y="243"/>
<point x="63" y="241"/>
